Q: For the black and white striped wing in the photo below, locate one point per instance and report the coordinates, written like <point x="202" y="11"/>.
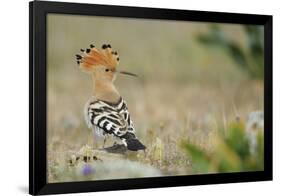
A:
<point x="127" y="117"/>
<point x="123" y="110"/>
<point x="112" y="119"/>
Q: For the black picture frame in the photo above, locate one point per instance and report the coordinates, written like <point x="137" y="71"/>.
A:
<point x="37" y="97"/>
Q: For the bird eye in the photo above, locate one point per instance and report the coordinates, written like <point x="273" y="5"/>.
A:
<point x="106" y="70"/>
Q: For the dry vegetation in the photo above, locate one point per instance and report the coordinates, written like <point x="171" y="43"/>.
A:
<point x="184" y="93"/>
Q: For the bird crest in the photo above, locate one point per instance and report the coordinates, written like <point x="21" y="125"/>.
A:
<point x="93" y="56"/>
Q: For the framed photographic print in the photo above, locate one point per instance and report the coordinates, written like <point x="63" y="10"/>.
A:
<point x="131" y="97"/>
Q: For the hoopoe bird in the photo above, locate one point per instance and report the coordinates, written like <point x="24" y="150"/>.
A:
<point x="106" y="113"/>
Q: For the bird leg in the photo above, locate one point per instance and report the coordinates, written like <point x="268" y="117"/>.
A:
<point x="104" y="140"/>
<point x="94" y="139"/>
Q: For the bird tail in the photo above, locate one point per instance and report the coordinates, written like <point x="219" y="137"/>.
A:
<point x="132" y="142"/>
<point x="134" y="145"/>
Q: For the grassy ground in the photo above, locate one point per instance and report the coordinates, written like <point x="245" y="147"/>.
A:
<point x="185" y="91"/>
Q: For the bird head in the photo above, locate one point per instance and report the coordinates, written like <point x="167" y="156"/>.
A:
<point x="101" y="63"/>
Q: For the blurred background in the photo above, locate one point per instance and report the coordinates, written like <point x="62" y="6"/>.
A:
<point x="197" y="105"/>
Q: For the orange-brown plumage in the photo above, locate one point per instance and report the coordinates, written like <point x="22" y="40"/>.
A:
<point x="93" y="57"/>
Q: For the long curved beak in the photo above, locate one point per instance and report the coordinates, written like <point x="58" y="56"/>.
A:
<point x="127" y="73"/>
